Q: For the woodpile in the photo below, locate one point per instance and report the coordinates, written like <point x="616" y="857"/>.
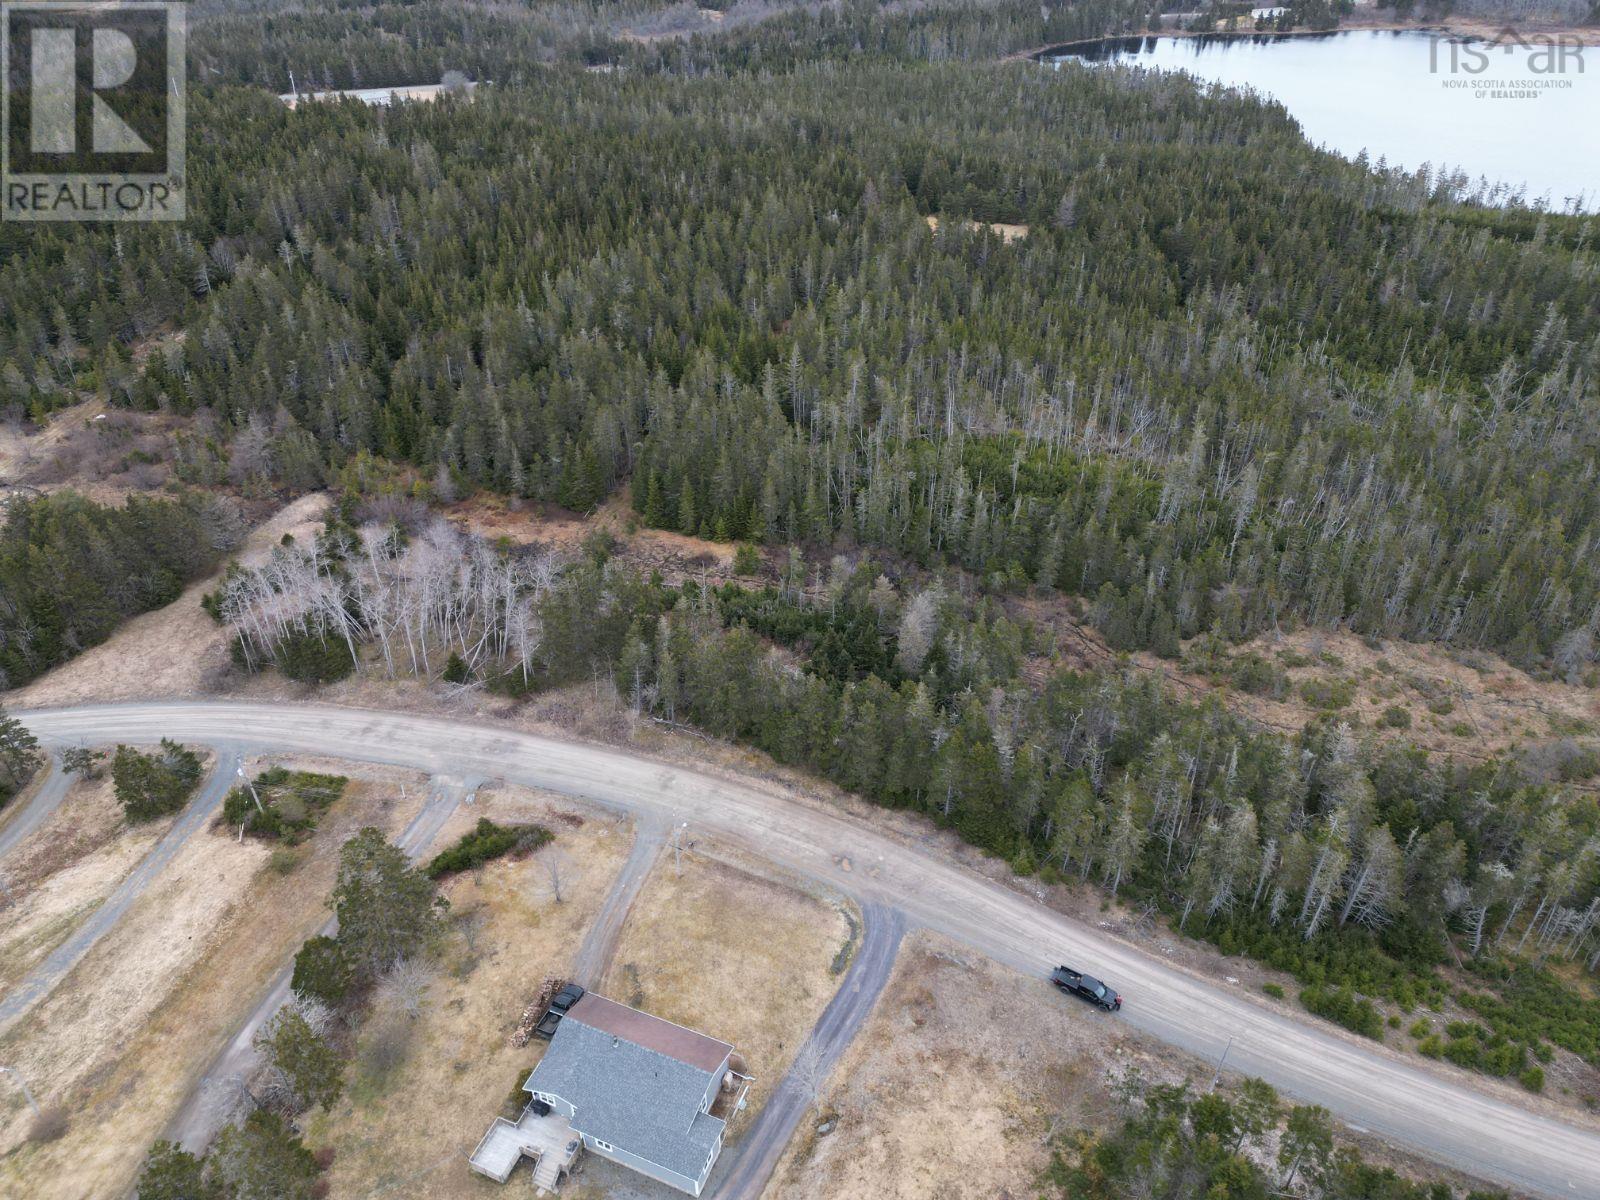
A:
<point x="535" y="1010"/>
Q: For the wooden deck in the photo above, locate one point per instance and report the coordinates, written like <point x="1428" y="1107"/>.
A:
<point x="548" y="1139"/>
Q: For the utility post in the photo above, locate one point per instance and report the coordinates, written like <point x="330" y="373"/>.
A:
<point x="250" y="783"/>
<point x="23" y="1084"/>
<point x="677" y="846"/>
<point x="1217" y="1078"/>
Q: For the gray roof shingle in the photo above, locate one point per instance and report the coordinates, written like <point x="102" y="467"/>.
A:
<point x="643" y="1099"/>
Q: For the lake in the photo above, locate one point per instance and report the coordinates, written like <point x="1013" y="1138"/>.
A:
<point x="1490" y="112"/>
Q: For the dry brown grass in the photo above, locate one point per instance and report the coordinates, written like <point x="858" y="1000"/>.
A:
<point x="122" y="1039"/>
<point x="951" y="1089"/>
<point x="407" y="1131"/>
<point x="1482" y="705"/>
<point x="105" y="453"/>
<point x="736" y="956"/>
<point x="677" y="556"/>
<point x="174" y="651"/>
<point x="64" y="870"/>
<point x="1007" y="232"/>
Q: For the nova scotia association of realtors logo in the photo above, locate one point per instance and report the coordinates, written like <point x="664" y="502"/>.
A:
<point x="92" y="111"/>
<point x="1523" y="66"/>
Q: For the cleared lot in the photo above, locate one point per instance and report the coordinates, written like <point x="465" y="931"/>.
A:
<point x="422" y="1090"/>
<point x="117" y="1043"/>
<point x="746" y="959"/>
<point x="952" y="1089"/>
<point x="63" y="870"/>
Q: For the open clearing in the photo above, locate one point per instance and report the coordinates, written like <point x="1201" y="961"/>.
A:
<point x="173" y="651"/>
<point x="407" y="1130"/>
<point x="57" y="875"/>
<point x="119" y="1042"/>
<point x="746" y="959"/>
<point x="965" y="1071"/>
<point x="951" y="1088"/>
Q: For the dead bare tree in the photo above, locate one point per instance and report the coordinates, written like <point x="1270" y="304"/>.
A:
<point x="558" y="874"/>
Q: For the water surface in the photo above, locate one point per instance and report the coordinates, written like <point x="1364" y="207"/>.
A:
<point x="1400" y="97"/>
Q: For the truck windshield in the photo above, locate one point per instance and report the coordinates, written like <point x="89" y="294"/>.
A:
<point x="1099" y="991"/>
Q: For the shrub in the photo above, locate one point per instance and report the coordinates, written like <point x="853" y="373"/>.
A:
<point x="1397" y="717"/>
<point x="1441" y="706"/>
<point x="290" y="804"/>
<point x="51" y="1125"/>
<point x="80" y="760"/>
<point x="1259" y="676"/>
<point x="746" y="560"/>
<point x="153" y="785"/>
<point x="1421" y="1028"/>
<point x="1274" y="990"/>
<point x="1532" y="1079"/>
<point x="456" y="671"/>
<point x="1344" y="1007"/>
<point x="1328" y="694"/>
<point x="486" y="841"/>
<point x="1431" y="1046"/>
<point x="322" y="971"/>
<point x="311" y="658"/>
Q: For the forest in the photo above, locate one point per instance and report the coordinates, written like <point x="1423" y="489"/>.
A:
<point x="72" y="570"/>
<point x="935" y="331"/>
<point x="1225" y="381"/>
<point x="1362" y="868"/>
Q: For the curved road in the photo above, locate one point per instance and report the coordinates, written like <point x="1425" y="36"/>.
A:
<point x="743" y="1173"/>
<point x="1374" y="1091"/>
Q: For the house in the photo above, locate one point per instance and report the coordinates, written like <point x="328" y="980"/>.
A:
<point x="627" y="1086"/>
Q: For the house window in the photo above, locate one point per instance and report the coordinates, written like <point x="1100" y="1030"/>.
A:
<point x="606" y="1146"/>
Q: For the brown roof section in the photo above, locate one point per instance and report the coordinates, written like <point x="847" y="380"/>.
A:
<point x="665" y="1038"/>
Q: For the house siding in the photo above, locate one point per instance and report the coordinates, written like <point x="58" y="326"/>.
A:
<point x="556" y="1103"/>
<point x="660" y="1174"/>
<point x="710" y="1097"/>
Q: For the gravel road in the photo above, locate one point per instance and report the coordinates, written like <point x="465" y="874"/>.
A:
<point x="743" y="1173"/>
<point x="47" y="974"/>
<point x="600" y="943"/>
<point x="44" y="802"/>
<point x="1482" y="1128"/>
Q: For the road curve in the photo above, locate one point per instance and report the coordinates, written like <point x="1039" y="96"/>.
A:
<point x="1480" y="1132"/>
<point x="750" y="1165"/>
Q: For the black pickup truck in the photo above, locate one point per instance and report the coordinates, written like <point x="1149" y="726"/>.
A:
<point x="1086" y="987"/>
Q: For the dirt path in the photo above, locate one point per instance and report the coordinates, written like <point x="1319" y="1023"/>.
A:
<point x="1476" y="1125"/>
<point x="751" y="1165"/>
<point x="600" y="943"/>
<point x="65" y="956"/>
<point x="197" y="1122"/>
